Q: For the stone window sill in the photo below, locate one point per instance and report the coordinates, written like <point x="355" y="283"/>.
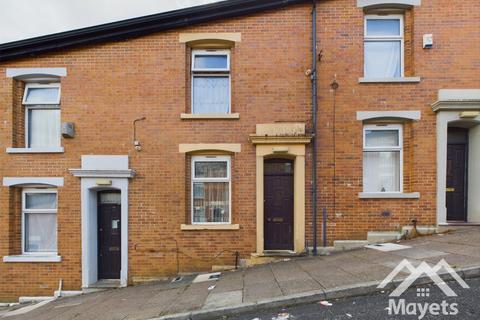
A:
<point x="193" y="227"/>
<point x="214" y="116"/>
<point x="36" y="150"/>
<point x="390" y="80"/>
<point x="33" y="258"/>
<point x="388" y="195"/>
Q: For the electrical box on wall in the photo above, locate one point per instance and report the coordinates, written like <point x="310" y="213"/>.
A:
<point x="427" y="41"/>
<point x="68" y="129"/>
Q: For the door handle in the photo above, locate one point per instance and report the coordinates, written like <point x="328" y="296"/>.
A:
<point x="450" y="189"/>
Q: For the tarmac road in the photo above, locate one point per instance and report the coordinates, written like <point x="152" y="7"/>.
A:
<point x="375" y="307"/>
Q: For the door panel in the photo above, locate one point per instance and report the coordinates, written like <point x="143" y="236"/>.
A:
<point x="456" y="182"/>
<point x="109" y="239"/>
<point x="278" y="204"/>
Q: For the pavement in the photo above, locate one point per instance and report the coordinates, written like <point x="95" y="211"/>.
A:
<point x="278" y="284"/>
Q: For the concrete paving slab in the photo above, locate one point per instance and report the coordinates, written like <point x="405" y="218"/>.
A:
<point x="456" y="260"/>
<point x="258" y="274"/>
<point x="193" y="297"/>
<point x="230" y="281"/>
<point x="224" y="299"/>
<point x="299" y="285"/>
<point x="260" y="291"/>
<point x="288" y="271"/>
<point x="419" y="253"/>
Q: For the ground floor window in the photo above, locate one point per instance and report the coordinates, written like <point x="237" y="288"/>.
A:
<point x="39" y="220"/>
<point x="211" y="189"/>
<point x="382" y="158"/>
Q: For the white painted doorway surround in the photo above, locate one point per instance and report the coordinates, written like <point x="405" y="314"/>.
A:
<point x="99" y="173"/>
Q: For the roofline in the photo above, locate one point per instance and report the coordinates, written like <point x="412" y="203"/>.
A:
<point x="136" y="27"/>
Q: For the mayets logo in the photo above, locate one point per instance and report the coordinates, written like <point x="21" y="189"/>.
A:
<point x="400" y="307"/>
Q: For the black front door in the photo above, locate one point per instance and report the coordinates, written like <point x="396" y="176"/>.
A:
<point x="456" y="192"/>
<point x="109" y="235"/>
<point x="278" y="206"/>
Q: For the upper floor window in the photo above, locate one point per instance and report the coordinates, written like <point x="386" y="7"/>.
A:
<point x="210" y="81"/>
<point x="39" y="217"/>
<point x="382" y="158"/>
<point x="211" y="189"/>
<point x="42" y="115"/>
<point x="383" y="46"/>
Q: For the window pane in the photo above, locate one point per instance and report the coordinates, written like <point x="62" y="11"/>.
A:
<point x="40" y="232"/>
<point x="381" y="171"/>
<point x="41" y="201"/>
<point x="211" y="169"/>
<point x="382" y="59"/>
<point x="211" y="202"/>
<point x="205" y="61"/>
<point x="383" y="27"/>
<point x="42" y="95"/>
<point x="381" y="138"/>
<point x="110" y="197"/>
<point x="211" y="95"/>
<point x="43" y="128"/>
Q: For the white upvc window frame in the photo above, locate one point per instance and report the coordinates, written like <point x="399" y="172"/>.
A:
<point x="211" y="72"/>
<point x="29" y="86"/>
<point x="40" y="106"/>
<point x="377" y="38"/>
<point x="382" y="127"/>
<point x="25" y="210"/>
<point x="228" y="179"/>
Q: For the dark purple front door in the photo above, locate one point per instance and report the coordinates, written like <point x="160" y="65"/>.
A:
<point x="456" y="193"/>
<point x="109" y="235"/>
<point x="278" y="204"/>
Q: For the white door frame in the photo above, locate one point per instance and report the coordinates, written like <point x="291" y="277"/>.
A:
<point x="89" y="229"/>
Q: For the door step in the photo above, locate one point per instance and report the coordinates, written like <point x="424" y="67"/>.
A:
<point x="105" y="284"/>
<point x="269" y="256"/>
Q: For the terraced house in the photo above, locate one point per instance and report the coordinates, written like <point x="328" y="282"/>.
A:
<point x="168" y="143"/>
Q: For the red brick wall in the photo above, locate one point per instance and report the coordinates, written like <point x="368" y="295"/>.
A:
<point x="110" y="85"/>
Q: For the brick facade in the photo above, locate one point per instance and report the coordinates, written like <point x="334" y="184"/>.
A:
<point x="109" y="85"/>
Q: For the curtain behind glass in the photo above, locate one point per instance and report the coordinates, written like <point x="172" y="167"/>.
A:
<point x="381" y="138"/>
<point x="43" y="128"/>
<point x="211" y="202"/>
<point x="211" y="169"/>
<point x="41" y="201"/>
<point x="382" y="59"/>
<point x="41" y="232"/>
<point x="211" y="94"/>
<point x="381" y="171"/>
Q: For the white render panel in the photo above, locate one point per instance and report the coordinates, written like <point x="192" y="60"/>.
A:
<point x="104" y="162"/>
<point x="458" y="94"/>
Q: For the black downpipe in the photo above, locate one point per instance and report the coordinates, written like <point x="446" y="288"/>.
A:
<point x="314" y="120"/>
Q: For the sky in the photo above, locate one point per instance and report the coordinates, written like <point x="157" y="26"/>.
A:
<point x="23" y="19"/>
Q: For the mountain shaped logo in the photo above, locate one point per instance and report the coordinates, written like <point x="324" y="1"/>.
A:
<point x="415" y="273"/>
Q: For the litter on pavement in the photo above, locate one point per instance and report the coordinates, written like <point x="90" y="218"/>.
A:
<point x="210" y="288"/>
<point x="282" y="316"/>
<point x="325" y="303"/>
<point x="207" y="277"/>
<point x="387" y="246"/>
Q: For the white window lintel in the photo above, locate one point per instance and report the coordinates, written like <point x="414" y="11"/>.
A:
<point x="366" y="4"/>
<point x="372" y="115"/>
<point x="27" y="73"/>
<point x="33" y="258"/>
<point x="17" y="181"/>
<point x="36" y="150"/>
